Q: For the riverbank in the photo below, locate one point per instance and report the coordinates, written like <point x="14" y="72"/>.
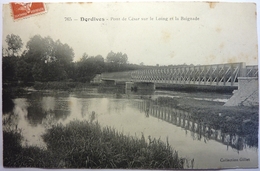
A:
<point x="82" y="144"/>
<point x="240" y="120"/>
<point x="65" y="86"/>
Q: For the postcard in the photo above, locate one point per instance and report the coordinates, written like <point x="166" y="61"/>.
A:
<point x="130" y="85"/>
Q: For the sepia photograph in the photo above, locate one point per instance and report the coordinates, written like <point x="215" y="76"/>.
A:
<point x="130" y="85"/>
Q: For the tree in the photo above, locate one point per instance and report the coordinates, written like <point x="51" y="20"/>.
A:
<point x="84" y="56"/>
<point x="14" y="43"/>
<point x="117" y="58"/>
<point x="24" y="72"/>
<point x="88" y="67"/>
<point x="116" y="61"/>
<point x="36" y="49"/>
<point x="63" y="53"/>
<point x="9" y="69"/>
<point x="99" y="64"/>
<point x="40" y="49"/>
<point x="51" y="60"/>
<point x="4" y="52"/>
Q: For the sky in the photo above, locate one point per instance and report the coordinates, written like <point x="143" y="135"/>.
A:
<point x="221" y="33"/>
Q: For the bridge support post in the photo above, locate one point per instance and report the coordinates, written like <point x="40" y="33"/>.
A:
<point x="109" y="82"/>
<point x="135" y="86"/>
<point x="242" y="70"/>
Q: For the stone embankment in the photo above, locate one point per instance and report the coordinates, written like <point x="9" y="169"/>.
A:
<point x="247" y="93"/>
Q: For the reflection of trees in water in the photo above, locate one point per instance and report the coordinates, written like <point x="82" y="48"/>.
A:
<point x="48" y="103"/>
<point x="41" y="108"/>
<point x="8" y="94"/>
<point x="11" y="119"/>
<point x="8" y="103"/>
<point x="49" y="121"/>
<point x="61" y="114"/>
<point x="36" y="115"/>
<point x="116" y="107"/>
<point x="200" y="129"/>
<point x="84" y="108"/>
<point x="29" y="114"/>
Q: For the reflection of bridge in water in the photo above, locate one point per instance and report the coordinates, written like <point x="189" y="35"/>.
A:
<point x="198" y="130"/>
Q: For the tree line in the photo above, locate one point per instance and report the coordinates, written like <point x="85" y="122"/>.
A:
<point x="46" y="60"/>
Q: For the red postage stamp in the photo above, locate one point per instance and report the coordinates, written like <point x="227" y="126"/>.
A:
<point x="22" y="10"/>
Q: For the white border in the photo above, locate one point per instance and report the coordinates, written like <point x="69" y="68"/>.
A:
<point x="1" y="26"/>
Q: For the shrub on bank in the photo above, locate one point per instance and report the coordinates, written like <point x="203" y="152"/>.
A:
<point x="82" y="144"/>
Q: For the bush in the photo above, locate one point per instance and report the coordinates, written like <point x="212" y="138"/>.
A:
<point x="82" y="144"/>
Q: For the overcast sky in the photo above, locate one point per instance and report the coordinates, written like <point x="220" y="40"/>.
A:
<point x="223" y="33"/>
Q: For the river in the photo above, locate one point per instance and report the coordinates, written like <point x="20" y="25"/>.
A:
<point x="133" y="115"/>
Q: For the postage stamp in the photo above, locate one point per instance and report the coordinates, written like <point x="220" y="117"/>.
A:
<point x="22" y="10"/>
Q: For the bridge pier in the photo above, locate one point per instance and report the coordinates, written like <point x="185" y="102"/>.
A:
<point x="109" y="82"/>
<point x="135" y="86"/>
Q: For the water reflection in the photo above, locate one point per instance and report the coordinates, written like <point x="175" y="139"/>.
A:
<point x="41" y="107"/>
<point x="33" y="115"/>
<point x="18" y="121"/>
<point x="198" y="130"/>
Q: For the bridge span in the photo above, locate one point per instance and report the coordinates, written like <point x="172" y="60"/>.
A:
<point x="210" y="75"/>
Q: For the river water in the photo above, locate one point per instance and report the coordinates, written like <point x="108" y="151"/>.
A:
<point x="133" y="115"/>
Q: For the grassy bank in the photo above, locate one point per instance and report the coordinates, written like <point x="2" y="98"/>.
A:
<point x="82" y="144"/>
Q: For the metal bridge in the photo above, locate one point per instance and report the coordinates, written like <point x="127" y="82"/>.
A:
<point x="212" y="75"/>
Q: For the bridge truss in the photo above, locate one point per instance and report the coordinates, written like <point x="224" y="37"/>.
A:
<point x="215" y="75"/>
<point x="218" y="75"/>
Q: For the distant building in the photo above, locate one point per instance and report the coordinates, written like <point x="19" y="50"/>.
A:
<point x="97" y="79"/>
